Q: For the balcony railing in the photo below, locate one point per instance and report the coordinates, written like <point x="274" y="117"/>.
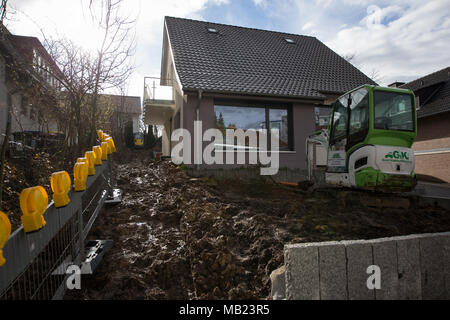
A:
<point x="155" y="93"/>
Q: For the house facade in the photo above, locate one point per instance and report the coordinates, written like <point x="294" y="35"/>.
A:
<point x="432" y="146"/>
<point x="24" y="63"/>
<point x="125" y="109"/>
<point x="232" y="77"/>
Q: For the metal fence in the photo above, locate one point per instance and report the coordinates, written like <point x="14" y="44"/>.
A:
<point x="33" y="259"/>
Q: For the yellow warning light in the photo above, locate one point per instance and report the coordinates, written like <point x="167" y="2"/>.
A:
<point x="100" y="135"/>
<point x="80" y="174"/>
<point x="33" y="203"/>
<point x="5" y="232"/>
<point x="60" y="183"/>
<point x="98" y="155"/>
<point x="90" y="155"/>
<point x="111" y="144"/>
<point x="105" y="147"/>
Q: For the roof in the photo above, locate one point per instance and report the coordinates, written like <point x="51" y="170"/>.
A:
<point x="249" y="61"/>
<point x="125" y="104"/>
<point x="324" y="111"/>
<point x="19" y="51"/>
<point x="433" y="91"/>
<point x="25" y="46"/>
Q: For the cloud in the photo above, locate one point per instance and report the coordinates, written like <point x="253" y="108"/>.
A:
<point x="307" y="26"/>
<point x="400" y="40"/>
<point x="411" y="45"/>
<point x="259" y="2"/>
<point x="71" y="18"/>
<point x="376" y="15"/>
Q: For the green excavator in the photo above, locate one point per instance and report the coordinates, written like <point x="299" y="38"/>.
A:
<point x="368" y="141"/>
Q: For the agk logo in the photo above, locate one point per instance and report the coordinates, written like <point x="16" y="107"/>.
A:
<point x="397" y="155"/>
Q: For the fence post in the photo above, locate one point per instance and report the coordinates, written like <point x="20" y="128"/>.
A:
<point x="110" y="188"/>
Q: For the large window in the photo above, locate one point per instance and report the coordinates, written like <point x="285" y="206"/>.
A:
<point x="257" y="118"/>
<point x="339" y="127"/>
<point x="356" y="106"/>
<point x="393" y="111"/>
<point x="359" y="116"/>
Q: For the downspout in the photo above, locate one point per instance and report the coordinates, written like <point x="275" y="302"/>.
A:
<point x="197" y="111"/>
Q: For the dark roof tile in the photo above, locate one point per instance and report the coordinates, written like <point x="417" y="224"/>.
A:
<point x="434" y="92"/>
<point x="257" y="62"/>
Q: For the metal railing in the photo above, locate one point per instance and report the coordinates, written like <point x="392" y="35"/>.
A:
<point x="33" y="259"/>
<point x="154" y="91"/>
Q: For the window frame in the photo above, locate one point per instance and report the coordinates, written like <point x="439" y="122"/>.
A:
<point x="333" y="138"/>
<point x="351" y="138"/>
<point x="413" y="110"/>
<point x="358" y="136"/>
<point x="267" y="106"/>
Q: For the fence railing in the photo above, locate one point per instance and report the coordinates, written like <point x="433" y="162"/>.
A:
<point x="34" y="260"/>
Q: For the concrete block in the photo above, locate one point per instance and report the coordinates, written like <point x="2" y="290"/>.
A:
<point x="385" y="256"/>
<point x="432" y="267"/>
<point x="277" y="278"/>
<point x="359" y="258"/>
<point x="333" y="273"/>
<point x="302" y="272"/>
<point x="410" y="282"/>
<point x="446" y="244"/>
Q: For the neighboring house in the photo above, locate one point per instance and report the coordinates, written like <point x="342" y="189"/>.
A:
<point x="235" y="77"/>
<point x="432" y="146"/>
<point x="126" y="109"/>
<point x="322" y="117"/>
<point x="24" y="62"/>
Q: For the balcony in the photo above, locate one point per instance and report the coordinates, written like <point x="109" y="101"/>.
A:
<point x="159" y="103"/>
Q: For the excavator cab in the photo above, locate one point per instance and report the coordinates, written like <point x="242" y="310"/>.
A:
<point x="138" y="140"/>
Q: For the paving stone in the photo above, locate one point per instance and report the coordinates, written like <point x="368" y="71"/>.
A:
<point x="385" y="256"/>
<point x="432" y="267"/>
<point x="302" y="272"/>
<point x="359" y="258"/>
<point x="446" y="244"/>
<point x="409" y="274"/>
<point x="333" y="273"/>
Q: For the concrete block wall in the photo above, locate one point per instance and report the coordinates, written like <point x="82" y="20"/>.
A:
<point x="253" y="172"/>
<point x="412" y="268"/>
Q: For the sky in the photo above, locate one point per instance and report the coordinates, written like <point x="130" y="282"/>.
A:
<point x="389" y="40"/>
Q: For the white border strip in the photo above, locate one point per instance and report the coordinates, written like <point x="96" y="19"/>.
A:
<point x="432" y="151"/>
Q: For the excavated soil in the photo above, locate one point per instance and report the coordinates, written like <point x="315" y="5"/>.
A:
<point x="182" y="238"/>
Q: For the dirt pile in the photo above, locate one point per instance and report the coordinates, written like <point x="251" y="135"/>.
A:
<point x="182" y="238"/>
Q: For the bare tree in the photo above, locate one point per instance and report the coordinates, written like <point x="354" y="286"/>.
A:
<point x="113" y="66"/>
<point x="349" y="57"/>
<point x="374" y="73"/>
<point x="3" y="10"/>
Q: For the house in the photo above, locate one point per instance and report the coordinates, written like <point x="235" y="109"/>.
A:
<point x="235" y="77"/>
<point x="126" y="109"/>
<point x="29" y="78"/>
<point x="432" y="146"/>
<point x="322" y="116"/>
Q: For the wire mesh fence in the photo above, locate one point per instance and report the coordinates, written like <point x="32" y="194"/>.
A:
<point x="36" y="262"/>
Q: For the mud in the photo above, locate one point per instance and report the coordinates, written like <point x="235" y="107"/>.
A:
<point x="182" y="238"/>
